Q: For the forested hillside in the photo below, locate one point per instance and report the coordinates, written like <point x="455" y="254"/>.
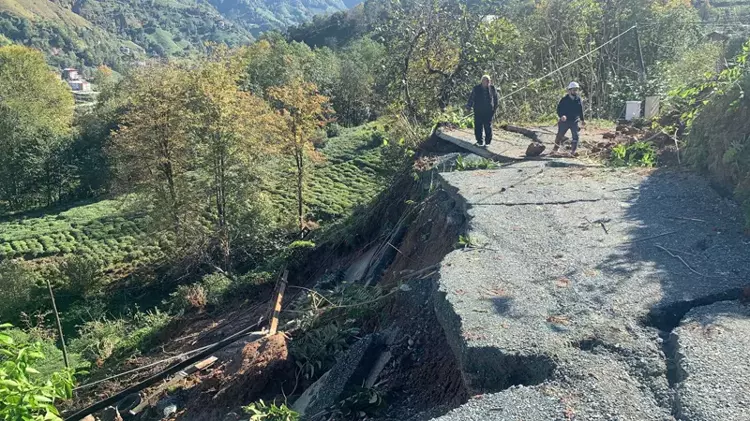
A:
<point x="86" y="33"/>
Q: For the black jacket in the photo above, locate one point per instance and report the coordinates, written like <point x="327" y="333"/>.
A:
<point x="484" y="101"/>
<point x="571" y="108"/>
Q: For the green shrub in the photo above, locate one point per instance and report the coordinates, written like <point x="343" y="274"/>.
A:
<point x="18" y="289"/>
<point x="261" y="411"/>
<point x="82" y="275"/>
<point x="187" y="297"/>
<point x="638" y="154"/>
<point x="25" y="394"/>
<point x="98" y="339"/>
<point x="333" y="129"/>
<point x="53" y="361"/>
<point x="216" y="287"/>
<point x="317" y="349"/>
<point x="718" y="143"/>
<point x="104" y="338"/>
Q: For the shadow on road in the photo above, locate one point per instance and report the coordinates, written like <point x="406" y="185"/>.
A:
<point x="686" y="244"/>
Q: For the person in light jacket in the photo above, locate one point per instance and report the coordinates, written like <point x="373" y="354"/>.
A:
<point x="570" y="114"/>
<point x="483" y="101"/>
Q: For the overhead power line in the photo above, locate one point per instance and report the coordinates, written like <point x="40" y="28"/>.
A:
<point x="569" y="64"/>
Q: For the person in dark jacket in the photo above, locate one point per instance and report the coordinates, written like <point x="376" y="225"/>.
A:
<point x="570" y="112"/>
<point x="484" y="101"/>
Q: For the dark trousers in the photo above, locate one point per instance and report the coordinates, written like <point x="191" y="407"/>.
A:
<point x="562" y="130"/>
<point x="483" y="123"/>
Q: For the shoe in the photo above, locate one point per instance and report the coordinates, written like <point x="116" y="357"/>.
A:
<point x="485" y="145"/>
<point x="479" y="143"/>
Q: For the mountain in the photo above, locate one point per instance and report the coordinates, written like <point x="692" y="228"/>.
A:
<point x="88" y="33"/>
<point x="262" y="15"/>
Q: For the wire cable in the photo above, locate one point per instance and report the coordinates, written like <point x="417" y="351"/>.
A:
<point x="568" y="64"/>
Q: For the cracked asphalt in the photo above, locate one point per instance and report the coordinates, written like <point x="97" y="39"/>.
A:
<point x="550" y="312"/>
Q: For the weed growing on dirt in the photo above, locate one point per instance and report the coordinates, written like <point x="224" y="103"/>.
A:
<point x="480" y="164"/>
<point x="361" y="403"/>
<point x="261" y="411"/>
<point x="104" y="338"/>
<point x="466" y="242"/>
<point x="638" y="154"/>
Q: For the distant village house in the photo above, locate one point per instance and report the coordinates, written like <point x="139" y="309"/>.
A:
<point x="74" y="80"/>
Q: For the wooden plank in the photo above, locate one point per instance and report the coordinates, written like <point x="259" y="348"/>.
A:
<point x="277" y="304"/>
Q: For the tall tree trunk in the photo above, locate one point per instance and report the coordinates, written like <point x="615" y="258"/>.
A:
<point x="299" y="157"/>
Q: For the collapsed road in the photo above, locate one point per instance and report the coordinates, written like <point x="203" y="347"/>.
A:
<point x="592" y="293"/>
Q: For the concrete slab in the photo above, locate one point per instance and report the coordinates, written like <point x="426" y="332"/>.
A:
<point x="711" y="346"/>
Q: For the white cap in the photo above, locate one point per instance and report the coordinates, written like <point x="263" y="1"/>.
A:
<point x="574" y="85"/>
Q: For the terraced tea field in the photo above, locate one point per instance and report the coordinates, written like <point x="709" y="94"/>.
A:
<point x="348" y="175"/>
<point x="100" y="231"/>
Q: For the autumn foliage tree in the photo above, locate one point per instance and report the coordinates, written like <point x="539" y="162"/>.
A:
<point x="231" y="131"/>
<point x="302" y="110"/>
<point x="151" y="149"/>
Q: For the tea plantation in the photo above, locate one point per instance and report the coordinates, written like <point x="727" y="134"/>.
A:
<point x="100" y="231"/>
<point x="347" y="174"/>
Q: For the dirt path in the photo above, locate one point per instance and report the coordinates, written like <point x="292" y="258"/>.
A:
<point x="564" y="304"/>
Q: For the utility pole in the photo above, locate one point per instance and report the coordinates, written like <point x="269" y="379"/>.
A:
<point x="59" y="325"/>
<point x="640" y="53"/>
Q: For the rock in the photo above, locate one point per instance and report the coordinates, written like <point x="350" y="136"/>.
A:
<point x="713" y="369"/>
<point x="352" y="368"/>
<point x="110" y="414"/>
<point x="535" y="149"/>
<point x="609" y="135"/>
<point x="88" y="418"/>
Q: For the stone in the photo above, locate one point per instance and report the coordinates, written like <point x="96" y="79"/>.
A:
<point x="535" y="149"/>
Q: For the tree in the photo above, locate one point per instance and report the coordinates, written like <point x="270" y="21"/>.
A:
<point x="36" y="112"/>
<point x="231" y="131"/>
<point x="151" y="149"/>
<point x="354" y="96"/>
<point x="303" y="111"/>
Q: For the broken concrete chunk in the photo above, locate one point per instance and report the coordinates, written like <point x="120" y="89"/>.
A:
<point x="713" y="368"/>
<point x="352" y="368"/>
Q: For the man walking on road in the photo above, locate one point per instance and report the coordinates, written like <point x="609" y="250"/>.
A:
<point x="484" y="101"/>
<point x="570" y="112"/>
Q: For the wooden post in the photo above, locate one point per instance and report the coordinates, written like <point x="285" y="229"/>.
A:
<point x="277" y="304"/>
<point x="59" y="325"/>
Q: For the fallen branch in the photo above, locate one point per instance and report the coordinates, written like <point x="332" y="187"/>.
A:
<point x="685" y="263"/>
<point x="522" y="130"/>
<point x="650" y="238"/>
